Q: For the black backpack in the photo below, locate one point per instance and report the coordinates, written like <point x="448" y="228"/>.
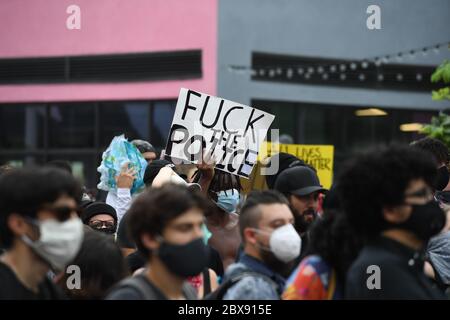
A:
<point x="220" y="292"/>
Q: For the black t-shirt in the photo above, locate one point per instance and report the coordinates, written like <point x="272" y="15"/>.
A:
<point x="12" y="289"/>
<point x="400" y="273"/>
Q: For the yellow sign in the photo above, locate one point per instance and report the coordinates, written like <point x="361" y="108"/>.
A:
<point x="319" y="156"/>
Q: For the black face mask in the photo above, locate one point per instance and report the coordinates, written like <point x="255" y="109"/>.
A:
<point x="425" y="221"/>
<point x="442" y="178"/>
<point x="185" y="260"/>
<point x="107" y="230"/>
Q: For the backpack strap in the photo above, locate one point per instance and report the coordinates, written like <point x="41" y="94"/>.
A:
<point x="206" y="282"/>
<point x="223" y="288"/>
<point x="141" y="285"/>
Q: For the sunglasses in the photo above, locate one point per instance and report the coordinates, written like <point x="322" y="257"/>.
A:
<point x="97" y="224"/>
<point x="62" y="213"/>
<point x="421" y="193"/>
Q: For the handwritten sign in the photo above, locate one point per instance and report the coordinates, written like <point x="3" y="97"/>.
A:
<point x="231" y="132"/>
<point x="319" y="156"/>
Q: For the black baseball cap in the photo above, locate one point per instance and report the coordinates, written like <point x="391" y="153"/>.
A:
<point x="299" y="181"/>
<point x="285" y="161"/>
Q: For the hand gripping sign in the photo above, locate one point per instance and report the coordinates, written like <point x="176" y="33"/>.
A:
<point x="229" y="132"/>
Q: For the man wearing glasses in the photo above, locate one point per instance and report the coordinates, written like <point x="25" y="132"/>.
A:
<point x="40" y="230"/>
<point x="100" y="217"/>
<point x="387" y="196"/>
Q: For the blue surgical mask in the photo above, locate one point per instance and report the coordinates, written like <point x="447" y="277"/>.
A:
<point x="206" y="233"/>
<point x="228" y="200"/>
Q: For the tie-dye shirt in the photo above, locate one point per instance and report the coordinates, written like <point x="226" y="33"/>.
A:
<point x="313" y="279"/>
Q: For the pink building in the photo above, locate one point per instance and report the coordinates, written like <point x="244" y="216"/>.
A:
<point x="64" y="93"/>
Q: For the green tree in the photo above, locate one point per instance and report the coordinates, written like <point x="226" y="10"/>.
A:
<point x="442" y="73"/>
<point x="439" y="128"/>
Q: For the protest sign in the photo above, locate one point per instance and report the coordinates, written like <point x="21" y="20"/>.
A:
<point x="231" y="132"/>
<point x="319" y="156"/>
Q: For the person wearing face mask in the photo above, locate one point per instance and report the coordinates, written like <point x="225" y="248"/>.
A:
<point x="40" y="230"/>
<point x="271" y="245"/>
<point x="437" y="265"/>
<point x="166" y="224"/>
<point x="223" y="189"/>
<point x="100" y="217"/>
<point x="440" y="152"/>
<point x="387" y="197"/>
<point x="301" y="186"/>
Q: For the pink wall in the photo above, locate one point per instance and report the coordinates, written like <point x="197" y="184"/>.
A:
<point x="38" y="28"/>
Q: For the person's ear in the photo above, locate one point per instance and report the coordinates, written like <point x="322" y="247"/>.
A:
<point x="17" y="224"/>
<point x="149" y="241"/>
<point x="397" y="214"/>
<point x="250" y="235"/>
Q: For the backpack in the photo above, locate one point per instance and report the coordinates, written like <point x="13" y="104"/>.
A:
<point x="140" y="284"/>
<point x="220" y="292"/>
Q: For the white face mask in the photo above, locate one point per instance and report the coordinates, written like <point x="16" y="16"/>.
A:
<point x="285" y="243"/>
<point x="59" y="242"/>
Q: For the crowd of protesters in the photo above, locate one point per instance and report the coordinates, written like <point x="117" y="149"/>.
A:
<point x="380" y="232"/>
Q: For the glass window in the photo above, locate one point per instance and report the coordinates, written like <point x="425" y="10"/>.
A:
<point x="20" y="160"/>
<point x="342" y="127"/>
<point x="71" y="125"/>
<point x="84" y="167"/>
<point x="129" y="118"/>
<point x="163" y="112"/>
<point x="22" y="126"/>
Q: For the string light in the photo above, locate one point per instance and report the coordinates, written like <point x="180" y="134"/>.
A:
<point x="289" y="73"/>
<point x="436" y="49"/>
<point x="377" y="62"/>
<point x="325" y="70"/>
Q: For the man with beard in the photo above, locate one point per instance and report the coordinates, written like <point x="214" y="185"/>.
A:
<point x="301" y="187"/>
<point x="271" y="245"/>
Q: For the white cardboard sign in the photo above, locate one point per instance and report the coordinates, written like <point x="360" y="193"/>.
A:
<point x="231" y="132"/>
